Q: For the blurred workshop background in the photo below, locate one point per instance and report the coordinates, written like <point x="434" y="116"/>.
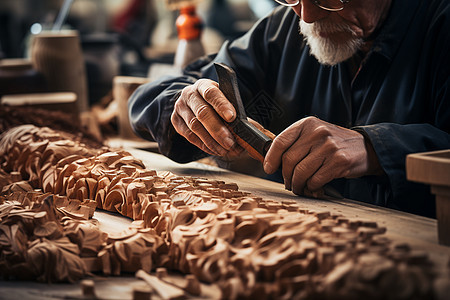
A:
<point x="122" y="37"/>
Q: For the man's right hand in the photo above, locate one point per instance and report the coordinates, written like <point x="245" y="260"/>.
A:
<point x="199" y="115"/>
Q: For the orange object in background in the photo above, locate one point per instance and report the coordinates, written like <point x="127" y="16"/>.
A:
<point x="189" y="25"/>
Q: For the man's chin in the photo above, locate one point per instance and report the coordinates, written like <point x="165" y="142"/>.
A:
<point x="340" y="45"/>
<point x="331" y="58"/>
<point x="328" y="53"/>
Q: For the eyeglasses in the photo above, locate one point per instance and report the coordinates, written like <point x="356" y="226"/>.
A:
<point x="330" y="5"/>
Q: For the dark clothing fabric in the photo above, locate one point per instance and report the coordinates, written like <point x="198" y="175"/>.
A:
<point x="399" y="98"/>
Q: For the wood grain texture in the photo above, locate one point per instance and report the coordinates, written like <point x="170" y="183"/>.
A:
<point x="244" y="238"/>
<point x="433" y="168"/>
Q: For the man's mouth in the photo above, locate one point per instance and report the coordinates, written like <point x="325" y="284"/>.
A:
<point x="335" y="36"/>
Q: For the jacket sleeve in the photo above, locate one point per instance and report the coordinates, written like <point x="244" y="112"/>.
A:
<point x="393" y="142"/>
<point x="151" y="106"/>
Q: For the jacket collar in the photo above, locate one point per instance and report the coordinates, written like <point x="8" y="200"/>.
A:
<point x="395" y="27"/>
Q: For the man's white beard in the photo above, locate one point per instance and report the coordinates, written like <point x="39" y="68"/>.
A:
<point x="324" y="49"/>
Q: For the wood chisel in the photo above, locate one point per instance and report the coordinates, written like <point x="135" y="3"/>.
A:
<point x="247" y="135"/>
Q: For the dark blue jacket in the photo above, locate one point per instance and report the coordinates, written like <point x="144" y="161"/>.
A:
<point x="399" y="98"/>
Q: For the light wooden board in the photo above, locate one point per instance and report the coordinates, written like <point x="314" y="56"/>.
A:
<point x="419" y="232"/>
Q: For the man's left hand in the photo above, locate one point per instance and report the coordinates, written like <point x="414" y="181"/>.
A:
<point x="313" y="152"/>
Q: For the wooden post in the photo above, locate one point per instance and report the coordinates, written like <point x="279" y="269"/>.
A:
<point x="123" y="87"/>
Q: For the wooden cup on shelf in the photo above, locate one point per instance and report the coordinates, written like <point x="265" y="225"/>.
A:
<point x="58" y="56"/>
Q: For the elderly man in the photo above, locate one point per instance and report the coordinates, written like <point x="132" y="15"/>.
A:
<point x="349" y="87"/>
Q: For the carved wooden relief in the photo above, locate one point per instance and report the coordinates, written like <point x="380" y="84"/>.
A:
<point x="239" y="244"/>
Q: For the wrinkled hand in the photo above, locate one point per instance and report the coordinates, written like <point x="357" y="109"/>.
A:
<point x="198" y="116"/>
<point x="313" y="152"/>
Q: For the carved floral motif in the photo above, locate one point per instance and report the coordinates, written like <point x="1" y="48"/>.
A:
<point x="249" y="247"/>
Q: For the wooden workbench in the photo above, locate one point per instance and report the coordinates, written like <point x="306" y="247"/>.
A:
<point x="419" y="232"/>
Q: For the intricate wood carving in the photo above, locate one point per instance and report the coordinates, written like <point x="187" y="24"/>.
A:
<point x="208" y="229"/>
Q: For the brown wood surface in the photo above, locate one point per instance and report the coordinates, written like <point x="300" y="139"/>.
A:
<point x="433" y="168"/>
<point x="419" y="232"/>
<point x="429" y="167"/>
